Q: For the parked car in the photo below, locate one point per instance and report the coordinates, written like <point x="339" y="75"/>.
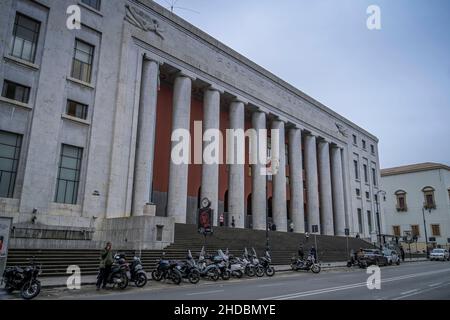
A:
<point x="374" y="257"/>
<point x="439" y="254"/>
<point x="391" y="256"/>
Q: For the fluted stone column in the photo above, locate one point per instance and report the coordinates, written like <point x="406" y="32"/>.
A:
<point x="312" y="186"/>
<point x="259" y="197"/>
<point x="210" y="172"/>
<point x="178" y="173"/>
<point x="326" y="200"/>
<point x="279" y="182"/>
<point x="236" y="196"/>
<point x="145" y="144"/>
<point x="296" y="180"/>
<point x="338" y="191"/>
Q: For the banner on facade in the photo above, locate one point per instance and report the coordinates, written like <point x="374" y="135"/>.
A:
<point x="205" y="217"/>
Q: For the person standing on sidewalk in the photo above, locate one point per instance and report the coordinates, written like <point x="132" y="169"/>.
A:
<point x="402" y="253"/>
<point x="106" y="261"/>
<point x="301" y="252"/>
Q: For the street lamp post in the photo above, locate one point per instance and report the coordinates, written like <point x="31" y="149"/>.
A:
<point x="378" y="214"/>
<point x="425" y="228"/>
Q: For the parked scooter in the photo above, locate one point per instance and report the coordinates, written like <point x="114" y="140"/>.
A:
<point x="305" y="265"/>
<point x="265" y="262"/>
<point x="188" y="269"/>
<point x="137" y="273"/>
<point x="166" y="269"/>
<point x="119" y="272"/>
<point x="221" y="264"/>
<point x="23" y="279"/>
<point x="233" y="264"/>
<point x="259" y="270"/>
<point x="249" y="268"/>
<point x="210" y="271"/>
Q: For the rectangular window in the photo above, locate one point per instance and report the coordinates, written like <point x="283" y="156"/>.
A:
<point x="93" y="3"/>
<point x="369" y="221"/>
<point x="68" y="174"/>
<point x="286" y="154"/>
<point x="415" y="230"/>
<point x="159" y="233"/>
<point x="25" y="38"/>
<point x="10" y="144"/>
<point x="355" y="139"/>
<point x="366" y="177"/>
<point x="367" y="195"/>
<point x="15" y="91"/>
<point x="436" y="230"/>
<point x="372" y="149"/>
<point x="358" y="192"/>
<point x="360" y="225"/>
<point x="364" y="144"/>
<point x="355" y="165"/>
<point x="396" y="230"/>
<point x="374" y="176"/>
<point x="82" y="61"/>
<point x="76" y="109"/>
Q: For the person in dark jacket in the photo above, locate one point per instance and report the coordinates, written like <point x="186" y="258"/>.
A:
<point x="313" y="252"/>
<point x="106" y="261"/>
<point x="301" y="252"/>
<point x="402" y="253"/>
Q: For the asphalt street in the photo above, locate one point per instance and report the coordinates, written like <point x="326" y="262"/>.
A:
<point x="421" y="281"/>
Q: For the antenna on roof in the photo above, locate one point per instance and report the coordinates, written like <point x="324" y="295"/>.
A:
<point x="172" y="6"/>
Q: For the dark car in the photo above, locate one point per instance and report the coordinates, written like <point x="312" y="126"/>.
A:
<point x="374" y="257"/>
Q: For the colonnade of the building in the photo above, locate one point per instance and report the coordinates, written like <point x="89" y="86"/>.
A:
<point x="321" y="159"/>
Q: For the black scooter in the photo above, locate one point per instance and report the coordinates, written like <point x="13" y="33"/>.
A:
<point x="166" y="269"/>
<point x="137" y="273"/>
<point x="119" y="272"/>
<point x="23" y="279"/>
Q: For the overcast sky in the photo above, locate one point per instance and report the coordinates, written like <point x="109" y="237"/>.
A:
<point x="393" y="82"/>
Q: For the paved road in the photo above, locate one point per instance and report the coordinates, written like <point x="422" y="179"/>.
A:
<point x="422" y="280"/>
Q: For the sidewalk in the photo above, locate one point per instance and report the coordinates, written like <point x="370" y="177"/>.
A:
<point x="54" y="282"/>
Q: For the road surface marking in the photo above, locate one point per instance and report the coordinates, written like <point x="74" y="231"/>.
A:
<point x="205" y="292"/>
<point x="410" y="291"/>
<point x="435" y="284"/>
<point x="271" y="285"/>
<point x="350" y="286"/>
<point x="421" y="291"/>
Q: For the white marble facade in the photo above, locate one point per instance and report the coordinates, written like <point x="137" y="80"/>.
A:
<point x="133" y="40"/>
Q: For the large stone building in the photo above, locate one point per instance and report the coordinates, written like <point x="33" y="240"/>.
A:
<point x="418" y="197"/>
<point x="86" y="117"/>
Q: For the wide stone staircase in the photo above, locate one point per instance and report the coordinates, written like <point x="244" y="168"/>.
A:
<point x="283" y="247"/>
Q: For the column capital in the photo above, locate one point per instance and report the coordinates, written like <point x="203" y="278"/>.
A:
<point x="186" y="74"/>
<point x="213" y="87"/>
<point x="152" y="58"/>
<point x="240" y="99"/>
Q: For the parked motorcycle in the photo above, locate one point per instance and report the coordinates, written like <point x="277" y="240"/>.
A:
<point x="305" y="265"/>
<point x="249" y="268"/>
<point x="253" y="258"/>
<point x="166" y="269"/>
<point x="188" y="269"/>
<point x="137" y="273"/>
<point x="233" y="265"/>
<point x="221" y="264"/>
<point x="265" y="262"/>
<point x="23" y="279"/>
<point x="206" y="270"/>
<point x="119" y="272"/>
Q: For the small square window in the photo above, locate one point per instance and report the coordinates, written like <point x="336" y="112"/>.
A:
<point x="15" y="91"/>
<point x="76" y="109"/>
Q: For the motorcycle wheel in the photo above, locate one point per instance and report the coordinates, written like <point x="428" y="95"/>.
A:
<point x="270" y="271"/>
<point x="398" y="262"/>
<point x="259" y="271"/>
<point x="215" y="275"/>
<point x="156" y="275"/>
<point x="238" y="274"/>
<point x="194" y="277"/>
<point x="315" y="268"/>
<point x="123" y="281"/>
<point x="250" y="272"/>
<point x="225" y="275"/>
<point x="141" y="280"/>
<point x="176" y="277"/>
<point x="30" y="289"/>
<point x="349" y="264"/>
